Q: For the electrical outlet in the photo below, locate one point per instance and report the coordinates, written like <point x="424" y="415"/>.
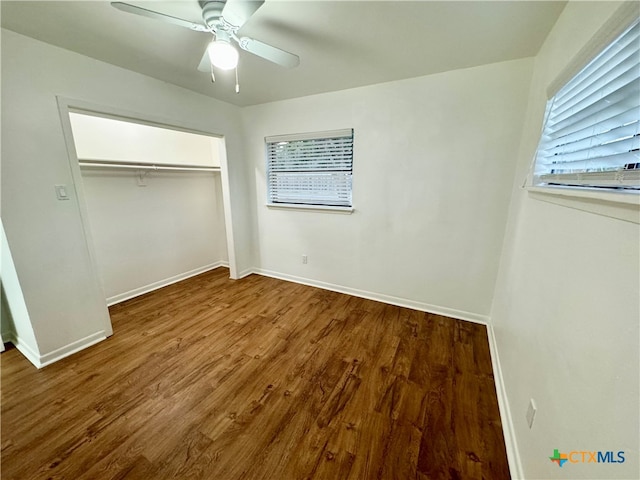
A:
<point x="304" y="259"/>
<point x="531" y="412"/>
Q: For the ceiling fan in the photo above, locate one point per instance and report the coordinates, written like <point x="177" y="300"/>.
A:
<point x="222" y="19"/>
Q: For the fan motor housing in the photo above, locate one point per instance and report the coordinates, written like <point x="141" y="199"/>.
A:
<point x="212" y="12"/>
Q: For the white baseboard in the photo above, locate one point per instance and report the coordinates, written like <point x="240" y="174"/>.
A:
<point x="23" y="348"/>
<point x="40" y="361"/>
<point x="74" y="347"/>
<point x="7" y="336"/>
<point x="246" y="273"/>
<point x="121" y="297"/>
<point x="379" y="297"/>
<point x="513" y="455"/>
<point x="515" y="464"/>
<point x="48" y="358"/>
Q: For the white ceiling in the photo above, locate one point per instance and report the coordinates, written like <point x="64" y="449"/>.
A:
<point x="341" y="44"/>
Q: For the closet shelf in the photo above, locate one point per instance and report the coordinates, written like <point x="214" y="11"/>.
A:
<point x="145" y="166"/>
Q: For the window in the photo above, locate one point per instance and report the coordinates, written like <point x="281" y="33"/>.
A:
<point x="310" y="169"/>
<point x="591" y="136"/>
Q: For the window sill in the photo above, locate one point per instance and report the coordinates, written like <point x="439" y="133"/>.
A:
<point x="311" y="208"/>
<point x="621" y="205"/>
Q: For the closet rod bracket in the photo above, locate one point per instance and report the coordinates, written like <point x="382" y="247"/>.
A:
<point x="141" y="177"/>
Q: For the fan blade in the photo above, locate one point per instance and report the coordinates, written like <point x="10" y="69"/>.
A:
<point x="269" y="52"/>
<point x="125" y="7"/>
<point x="237" y="12"/>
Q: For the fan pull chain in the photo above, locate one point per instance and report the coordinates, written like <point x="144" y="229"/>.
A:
<point x="237" y="82"/>
<point x="213" y="77"/>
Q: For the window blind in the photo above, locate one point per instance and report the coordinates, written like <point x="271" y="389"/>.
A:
<point x="591" y="135"/>
<point x="310" y="169"/>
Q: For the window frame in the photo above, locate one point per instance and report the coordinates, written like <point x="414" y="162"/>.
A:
<point x="622" y="204"/>
<point x="335" y="164"/>
<point x="566" y="153"/>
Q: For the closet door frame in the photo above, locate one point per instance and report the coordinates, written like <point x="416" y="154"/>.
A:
<point x="67" y="105"/>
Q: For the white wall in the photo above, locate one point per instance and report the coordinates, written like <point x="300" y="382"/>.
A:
<point x="567" y="305"/>
<point x="148" y="236"/>
<point x="15" y="323"/>
<point x="99" y="138"/>
<point x="6" y="322"/>
<point x="149" y="228"/>
<point x="433" y="175"/>
<point x="61" y="289"/>
<point x="433" y="168"/>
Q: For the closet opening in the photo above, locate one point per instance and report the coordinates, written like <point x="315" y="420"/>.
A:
<point x="152" y="200"/>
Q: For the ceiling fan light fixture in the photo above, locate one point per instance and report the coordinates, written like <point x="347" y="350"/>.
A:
<point x="222" y="54"/>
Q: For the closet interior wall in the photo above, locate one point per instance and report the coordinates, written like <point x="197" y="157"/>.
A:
<point x="149" y="227"/>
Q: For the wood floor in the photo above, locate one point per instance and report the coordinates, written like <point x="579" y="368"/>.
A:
<point x="258" y="379"/>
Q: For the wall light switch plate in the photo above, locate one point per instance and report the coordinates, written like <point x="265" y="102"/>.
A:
<point x="531" y="412"/>
<point x="62" y="192"/>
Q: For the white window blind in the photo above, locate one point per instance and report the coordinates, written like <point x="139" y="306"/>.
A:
<point x="591" y="136"/>
<point x="310" y="169"/>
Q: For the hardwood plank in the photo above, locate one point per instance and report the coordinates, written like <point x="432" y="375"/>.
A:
<point x="140" y="469"/>
<point x="258" y="379"/>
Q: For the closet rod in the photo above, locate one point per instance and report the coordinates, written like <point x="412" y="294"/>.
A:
<point x="96" y="164"/>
